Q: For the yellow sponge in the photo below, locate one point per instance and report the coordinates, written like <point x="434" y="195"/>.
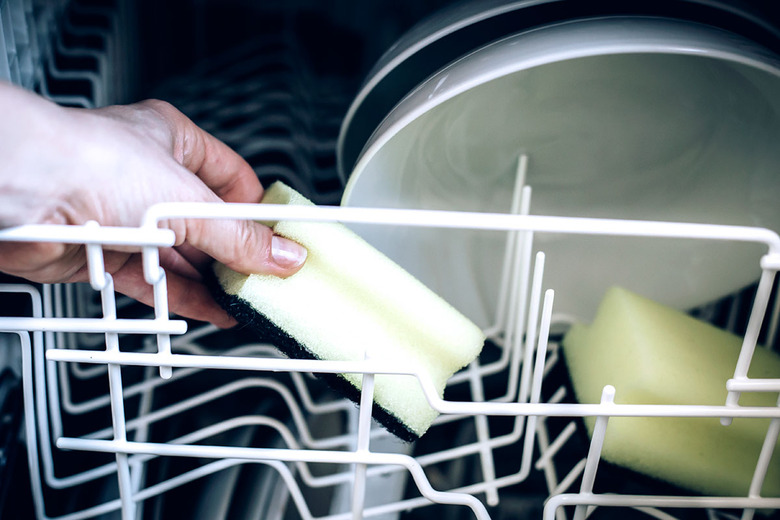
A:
<point x="652" y="354"/>
<point x="348" y="300"/>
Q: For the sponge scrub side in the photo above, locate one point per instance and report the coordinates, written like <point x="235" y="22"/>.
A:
<point x="653" y="354"/>
<point x="350" y="301"/>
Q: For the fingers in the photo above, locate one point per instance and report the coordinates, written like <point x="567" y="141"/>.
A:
<point x="224" y="171"/>
<point x="173" y="260"/>
<point x="186" y="297"/>
<point x="220" y="175"/>
<point x="195" y="257"/>
<point x="43" y="262"/>
<point x="246" y="246"/>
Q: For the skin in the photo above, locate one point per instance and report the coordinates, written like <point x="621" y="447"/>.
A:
<point x="69" y="166"/>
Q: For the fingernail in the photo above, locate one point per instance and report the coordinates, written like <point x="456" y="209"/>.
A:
<point x="287" y="253"/>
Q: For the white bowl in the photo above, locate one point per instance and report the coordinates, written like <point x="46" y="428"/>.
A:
<point x="632" y="118"/>
<point x="464" y="26"/>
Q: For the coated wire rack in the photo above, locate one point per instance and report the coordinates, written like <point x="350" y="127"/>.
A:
<point x="312" y="441"/>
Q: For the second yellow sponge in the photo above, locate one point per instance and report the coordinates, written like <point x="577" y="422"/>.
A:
<point x="653" y="354"/>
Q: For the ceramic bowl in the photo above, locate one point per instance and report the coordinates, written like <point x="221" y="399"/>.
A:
<point x="631" y="118"/>
<point x="462" y="27"/>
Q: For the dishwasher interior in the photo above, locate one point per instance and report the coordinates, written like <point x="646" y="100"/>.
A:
<point x="94" y="425"/>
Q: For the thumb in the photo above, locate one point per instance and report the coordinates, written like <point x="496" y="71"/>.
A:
<point x="246" y="246"/>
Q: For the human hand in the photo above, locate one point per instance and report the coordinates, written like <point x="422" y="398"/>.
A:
<point x="68" y="166"/>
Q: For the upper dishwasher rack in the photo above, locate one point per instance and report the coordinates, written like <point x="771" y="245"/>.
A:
<point x="120" y="429"/>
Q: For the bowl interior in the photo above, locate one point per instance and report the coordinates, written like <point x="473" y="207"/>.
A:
<point x="647" y="135"/>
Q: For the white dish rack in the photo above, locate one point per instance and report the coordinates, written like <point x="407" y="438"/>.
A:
<point x="85" y="337"/>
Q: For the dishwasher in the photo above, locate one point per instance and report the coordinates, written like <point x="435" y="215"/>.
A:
<point x="112" y="409"/>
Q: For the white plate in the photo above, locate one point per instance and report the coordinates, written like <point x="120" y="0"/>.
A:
<point x="621" y="118"/>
